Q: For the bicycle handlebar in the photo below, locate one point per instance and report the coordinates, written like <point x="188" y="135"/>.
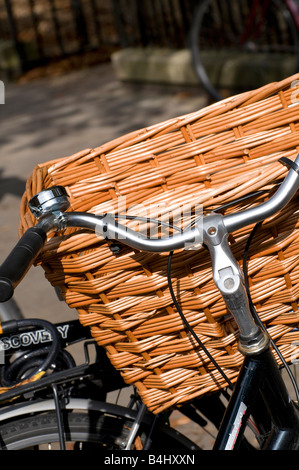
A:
<point x="20" y="260"/>
<point x="29" y="246"/>
<point x="265" y="210"/>
<point x="108" y="227"/>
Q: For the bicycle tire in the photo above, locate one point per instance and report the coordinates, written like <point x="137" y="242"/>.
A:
<point x="83" y="431"/>
<point x="229" y="44"/>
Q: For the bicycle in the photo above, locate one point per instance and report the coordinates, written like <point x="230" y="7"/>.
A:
<point x="238" y="45"/>
<point x="48" y="402"/>
<point x="260" y="397"/>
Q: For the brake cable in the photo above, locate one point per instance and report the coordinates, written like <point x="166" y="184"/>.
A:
<point x="206" y="351"/>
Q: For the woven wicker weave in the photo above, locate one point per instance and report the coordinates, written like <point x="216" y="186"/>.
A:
<point x="209" y="158"/>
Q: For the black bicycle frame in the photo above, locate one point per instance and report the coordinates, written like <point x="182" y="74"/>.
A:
<point x="260" y="392"/>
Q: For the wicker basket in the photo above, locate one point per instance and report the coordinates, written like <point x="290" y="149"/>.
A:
<point x="209" y="158"/>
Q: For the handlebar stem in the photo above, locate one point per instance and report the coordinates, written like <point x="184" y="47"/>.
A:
<point x="229" y="280"/>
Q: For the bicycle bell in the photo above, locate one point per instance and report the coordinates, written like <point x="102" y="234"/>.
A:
<point x="49" y="201"/>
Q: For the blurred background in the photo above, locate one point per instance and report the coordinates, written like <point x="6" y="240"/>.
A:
<point x="36" y="33"/>
<point x="63" y="94"/>
<point x="78" y="73"/>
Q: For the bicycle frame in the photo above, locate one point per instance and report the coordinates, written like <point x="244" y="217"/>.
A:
<point x="259" y="385"/>
<point x="260" y="379"/>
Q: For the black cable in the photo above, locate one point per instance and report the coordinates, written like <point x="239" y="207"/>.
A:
<point x="175" y="300"/>
<point x="31" y="360"/>
<point x="26" y="365"/>
<point x="189" y="326"/>
<point x="14" y="326"/>
<point x="239" y="200"/>
<point x="255" y="314"/>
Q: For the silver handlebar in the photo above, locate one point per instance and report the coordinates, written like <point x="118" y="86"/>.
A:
<point x="107" y="226"/>
<point x="110" y="229"/>
<point x="279" y="200"/>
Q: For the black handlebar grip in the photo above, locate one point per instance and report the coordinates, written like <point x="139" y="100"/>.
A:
<point x="6" y="289"/>
<point x="19" y="261"/>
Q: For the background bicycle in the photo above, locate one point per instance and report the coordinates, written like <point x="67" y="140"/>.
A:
<point x="238" y="45"/>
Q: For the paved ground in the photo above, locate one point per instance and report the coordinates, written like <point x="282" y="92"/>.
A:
<point x="54" y="117"/>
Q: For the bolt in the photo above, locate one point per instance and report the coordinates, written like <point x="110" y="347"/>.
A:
<point x="212" y="230"/>
<point x="229" y="283"/>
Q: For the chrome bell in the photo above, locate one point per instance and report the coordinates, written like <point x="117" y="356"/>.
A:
<point x="49" y="201"/>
